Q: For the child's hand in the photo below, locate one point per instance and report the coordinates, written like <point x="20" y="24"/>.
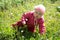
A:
<point x="43" y="30"/>
<point x="23" y="22"/>
<point x="14" y="25"/>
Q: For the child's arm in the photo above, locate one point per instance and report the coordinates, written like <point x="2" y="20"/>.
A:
<point x="21" y="22"/>
<point x="42" y="28"/>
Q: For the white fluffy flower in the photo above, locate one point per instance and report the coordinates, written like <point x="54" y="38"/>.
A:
<point x="21" y="30"/>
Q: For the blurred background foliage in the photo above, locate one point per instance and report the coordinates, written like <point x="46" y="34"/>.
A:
<point x="12" y="10"/>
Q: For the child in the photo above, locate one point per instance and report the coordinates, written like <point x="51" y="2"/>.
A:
<point x="33" y="18"/>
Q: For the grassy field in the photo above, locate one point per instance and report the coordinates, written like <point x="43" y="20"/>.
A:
<point x="11" y="11"/>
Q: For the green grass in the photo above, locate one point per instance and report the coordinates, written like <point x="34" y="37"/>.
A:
<point x="13" y="12"/>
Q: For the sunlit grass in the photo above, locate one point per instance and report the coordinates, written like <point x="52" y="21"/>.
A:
<point x="14" y="13"/>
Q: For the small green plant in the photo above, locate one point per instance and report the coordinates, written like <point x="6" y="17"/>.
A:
<point x="53" y="1"/>
<point x="58" y="8"/>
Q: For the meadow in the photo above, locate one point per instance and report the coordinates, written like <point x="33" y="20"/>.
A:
<point x="11" y="11"/>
